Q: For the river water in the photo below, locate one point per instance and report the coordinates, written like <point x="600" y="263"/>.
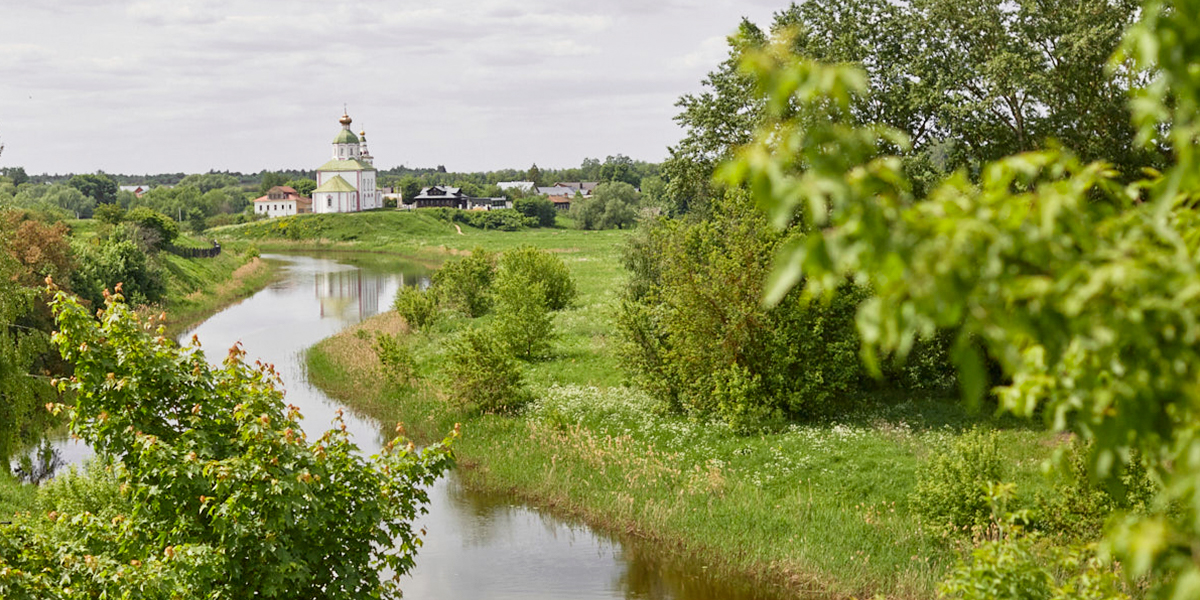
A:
<point x="477" y="546"/>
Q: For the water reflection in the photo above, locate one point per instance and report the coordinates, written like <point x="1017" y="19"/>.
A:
<point x="40" y="464"/>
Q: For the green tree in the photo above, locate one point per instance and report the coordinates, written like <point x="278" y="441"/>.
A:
<point x="1074" y="282"/>
<point x="537" y="207"/>
<point x="530" y="266"/>
<point x="101" y="266"/>
<point x="16" y="174"/>
<point x="159" y="229"/>
<point x="613" y="205"/>
<point x="481" y="374"/>
<point x="304" y="186"/>
<point x="206" y="182"/>
<point x="464" y="284"/>
<point x="214" y="490"/>
<point x="271" y="179"/>
<point x="523" y="321"/>
<point x="20" y="393"/>
<point x="98" y="187"/>
<point x="535" y="175"/>
<point x="410" y="188"/>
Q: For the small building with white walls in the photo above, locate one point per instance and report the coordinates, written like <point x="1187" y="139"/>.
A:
<point x="347" y="182"/>
<point x="282" y="201"/>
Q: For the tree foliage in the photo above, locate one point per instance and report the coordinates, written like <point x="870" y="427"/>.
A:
<point x="98" y="187"/>
<point x="613" y="205"/>
<point x="967" y="82"/>
<point x="1083" y="288"/>
<point x="539" y="207"/>
<point x="530" y="266"/>
<point x="464" y="284"/>
<point x="213" y="491"/>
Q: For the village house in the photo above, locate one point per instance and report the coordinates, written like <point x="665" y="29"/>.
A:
<point x="282" y="201"/>
<point x="453" y="197"/>
<point x="561" y="196"/>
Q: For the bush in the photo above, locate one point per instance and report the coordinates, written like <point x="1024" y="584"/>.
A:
<point x="532" y="266"/>
<point x="481" y="375"/>
<point x="109" y="213"/>
<point x="417" y="306"/>
<point x="159" y="228"/>
<point x="396" y="359"/>
<point x="1019" y="567"/>
<point x="1079" y="508"/>
<point x="539" y="208"/>
<point x="522" y="318"/>
<point x="952" y="488"/>
<point x="464" y="284"/>
<point x="101" y="266"/>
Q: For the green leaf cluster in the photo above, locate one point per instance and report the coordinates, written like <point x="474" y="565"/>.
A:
<point x="213" y="489"/>
<point x="1083" y="288"/>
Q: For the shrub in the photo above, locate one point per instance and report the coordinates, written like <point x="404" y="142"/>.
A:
<point x="109" y="213"/>
<point x="465" y="283"/>
<point x="952" y="488"/>
<point x="417" y="306"/>
<point x="481" y="375"/>
<point x="531" y="266"/>
<point x="539" y="208"/>
<point x="103" y="265"/>
<point x="154" y="224"/>
<point x="693" y="321"/>
<point x="1019" y="567"/>
<point x="396" y="359"/>
<point x="1078" y="507"/>
<point x="522" y="318"/>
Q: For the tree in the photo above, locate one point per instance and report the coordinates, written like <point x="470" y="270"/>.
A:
<point x="410" y="188"/>
<point x="20" y="393"/>
<point x="270" y="180"/>
<point x="530" y="266"/>
<point x="1074" y="282"/>
<point x="967" y="82"/>
<point x="464" y="284"/>
<point x="613" y="205"/>
<point x="537" y="207"/>
<point x="535" y="175"/>
<point x="16" y="174"/>
<point x="101" y="266"/>
<point x="213" y="490"/>
<point x="481" y="374"/>
<point x="304" y="186"/>
<point x="523" y="321"/>
<point x="206" y="182"/>
<point x="98" y="187"/>
<point x="619" y="168"/>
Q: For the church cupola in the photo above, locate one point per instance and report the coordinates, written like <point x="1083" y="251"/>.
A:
<point x="345" y="145"/>
<point x="362" y="146"/>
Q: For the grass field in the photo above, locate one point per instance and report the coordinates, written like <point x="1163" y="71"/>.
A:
<point x="819" y="507"/>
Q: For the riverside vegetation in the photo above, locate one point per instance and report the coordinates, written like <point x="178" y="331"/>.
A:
<point x="841" y="503"/>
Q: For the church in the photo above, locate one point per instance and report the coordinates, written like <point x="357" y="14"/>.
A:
<point x="347" y="182"/>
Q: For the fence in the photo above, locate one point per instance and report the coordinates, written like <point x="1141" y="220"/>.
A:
<point x="196" y="252"/>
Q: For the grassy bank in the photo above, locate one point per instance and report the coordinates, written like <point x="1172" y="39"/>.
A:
<point x="821" y="507"/>
<point x="199" y="287"/>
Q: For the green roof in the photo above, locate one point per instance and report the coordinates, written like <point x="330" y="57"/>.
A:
<point x="345" y="136"/>
<point x="352" y="164"/>
<point x="335" y="184"/>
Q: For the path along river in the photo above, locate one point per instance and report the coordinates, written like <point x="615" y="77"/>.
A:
<point x="477" y="546"/>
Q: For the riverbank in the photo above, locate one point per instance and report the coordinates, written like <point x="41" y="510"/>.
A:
<point x="820" y="508"/>
<point x="200" y="287"/>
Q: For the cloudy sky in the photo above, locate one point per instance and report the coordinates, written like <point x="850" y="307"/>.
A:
<point x="148" y="86"/>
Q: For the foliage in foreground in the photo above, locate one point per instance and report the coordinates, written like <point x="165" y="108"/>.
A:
<point x="1083" y="289"/>
<point x="213" y="490"/>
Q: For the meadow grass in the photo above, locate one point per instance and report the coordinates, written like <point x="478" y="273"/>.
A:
<point x="199" y="287"/>
<point x="14" y="496"/>
<point x="819" y="507"/>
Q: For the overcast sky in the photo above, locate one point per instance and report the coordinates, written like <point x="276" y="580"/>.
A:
<point x="149" y="86"/>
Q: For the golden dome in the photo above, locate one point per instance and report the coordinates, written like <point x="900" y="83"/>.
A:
<point x="345" y="120"/>
<point x="362" y="134"/>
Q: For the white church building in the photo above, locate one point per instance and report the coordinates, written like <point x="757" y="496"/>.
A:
<point x="347" y="182"/>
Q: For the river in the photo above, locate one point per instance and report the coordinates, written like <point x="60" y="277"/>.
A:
<point x="477" y="546"/>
